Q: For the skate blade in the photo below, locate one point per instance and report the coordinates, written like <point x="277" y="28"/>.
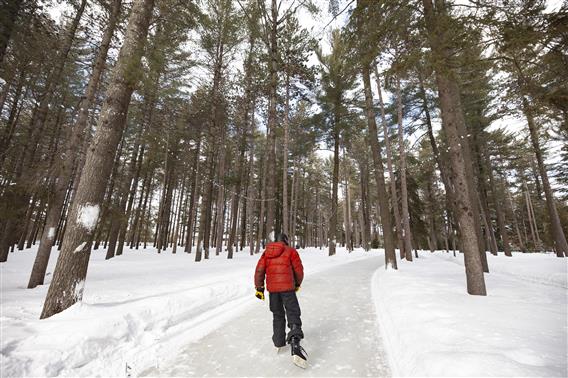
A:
<point x="279" y="349"/>
<point x="298" y="361"/>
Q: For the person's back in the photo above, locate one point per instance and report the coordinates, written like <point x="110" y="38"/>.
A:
<point x="282" y="268"/>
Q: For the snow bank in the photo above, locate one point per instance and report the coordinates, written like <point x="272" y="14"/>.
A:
<point x="137" y="311"/>
<point x="433" y="328"/>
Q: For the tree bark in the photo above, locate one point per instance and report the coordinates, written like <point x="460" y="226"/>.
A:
<point x="390" y="255"/>
<point x="205" y="208"/>
<point x="398" y="226"/>
<point x="332" y="235"/>
<point x="560" y="244"/>
<point x="452" y="117"/>
<point x="498" y="209"/>
<point x="10" y="127"/>
<point x="285" y="158"/>
<point x="8" y="17"/>
<point x="66" y="288"/>
<point x="67" y="160"/>
<point x="17" y="201"/>
<point x="272" y="99"/>
<point x="220" y="200"/>
<point x="193" y="198"/>
<point x="407" y="236"/>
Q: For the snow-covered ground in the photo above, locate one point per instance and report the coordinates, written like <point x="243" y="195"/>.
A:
<point x="431" y="328"/>
<point x="138" y="310"/>
<point x="145" y="313"/>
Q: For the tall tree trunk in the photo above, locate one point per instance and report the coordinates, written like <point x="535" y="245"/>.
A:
<point x="68" y="160"/>
<point x="272" y="99"/>
<point x="10" y="127"/>
<point x="383" y="205"/>
<point x="293" y="196"/>
<point x="285" y="158"/>
<point x="349" y="220"/>
<point x="294" y="212"/>
<point x="263" y="201"/>
<point x="430" y="203"/>
<point x="398" y="226"/>
<point x="560" y="244"/>
<point x="444" y="168"/>
<point x="220" y="229"/>
<point x="332" y="235"/>
<point x="346" y="215"/>
<point x="481" y="171"/>
<point x="251" y="197"/>
<point x="17" y="201"/>
<point x="8" y="17"/>
<point x="407" y="236"/>
<point x="205" y="208"/>
<point x="537" y="244"/>
<point x="148" y="220"/>
<point x="499" y="210"/>
<point x="136" y="167"/>
<point x="238" y="186"/>
<point x="138" y="214"/>
<point x="509" y="206"/>
<point x="27" y="220"/>
<point x="66" y="288"/>
<point x="179" y="214"/>
<point x="366" y="219"/>
<point x="52" y="84"/>
<point x="452" y="115"/>
<point x="193" y="198"/>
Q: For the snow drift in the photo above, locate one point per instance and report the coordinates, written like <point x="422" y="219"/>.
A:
<point x="432" y="328"/>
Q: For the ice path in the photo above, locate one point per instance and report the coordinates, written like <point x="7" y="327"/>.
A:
<point x="340" y="330"/>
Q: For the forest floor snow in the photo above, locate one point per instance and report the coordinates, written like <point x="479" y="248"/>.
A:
<point x="431" y="327"/>
<point x="145" y="313"/>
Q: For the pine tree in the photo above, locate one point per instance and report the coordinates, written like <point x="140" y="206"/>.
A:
<point x="66" y="288"/>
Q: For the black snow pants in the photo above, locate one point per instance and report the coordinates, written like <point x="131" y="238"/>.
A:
<point x="285" y="303"/>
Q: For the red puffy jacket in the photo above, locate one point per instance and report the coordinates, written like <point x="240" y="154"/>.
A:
<point x="282" y="267"/>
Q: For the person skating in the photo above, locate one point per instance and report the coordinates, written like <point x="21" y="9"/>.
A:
<point x="282" y="267"/>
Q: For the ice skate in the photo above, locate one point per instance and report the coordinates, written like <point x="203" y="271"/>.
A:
<point x="299" y="355"/>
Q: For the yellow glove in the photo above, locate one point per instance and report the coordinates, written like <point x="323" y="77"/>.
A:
<point x="297" y="289"/>
<point x="260" y="293"/>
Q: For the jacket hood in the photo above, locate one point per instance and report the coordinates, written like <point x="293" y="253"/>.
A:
<point x="274" y="249"/>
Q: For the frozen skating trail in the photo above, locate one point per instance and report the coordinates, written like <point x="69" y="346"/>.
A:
<point x="339" y="324"/>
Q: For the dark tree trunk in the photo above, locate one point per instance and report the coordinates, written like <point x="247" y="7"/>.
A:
<point x="394" y="197"/>
<point x="66" y="288"/>
<point x="272" y="94"/>
<point x="452" y="122"/>
<point x="560" y="244"/>
<point x="390" y="255"/>
<point x="17" y="201"/>
<point x="407" y="236"/>
<point x="10" y="128"/>
<point x="205" y="208"/>
<point x="8" y="17"/>
<point x="500" y="214"/>
<point x="193" y="198"/>
<point x="68" y="160"/>
<point x="332" y="235"/>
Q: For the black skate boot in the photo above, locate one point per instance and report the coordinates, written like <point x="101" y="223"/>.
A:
<point x="299" y="355"/>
